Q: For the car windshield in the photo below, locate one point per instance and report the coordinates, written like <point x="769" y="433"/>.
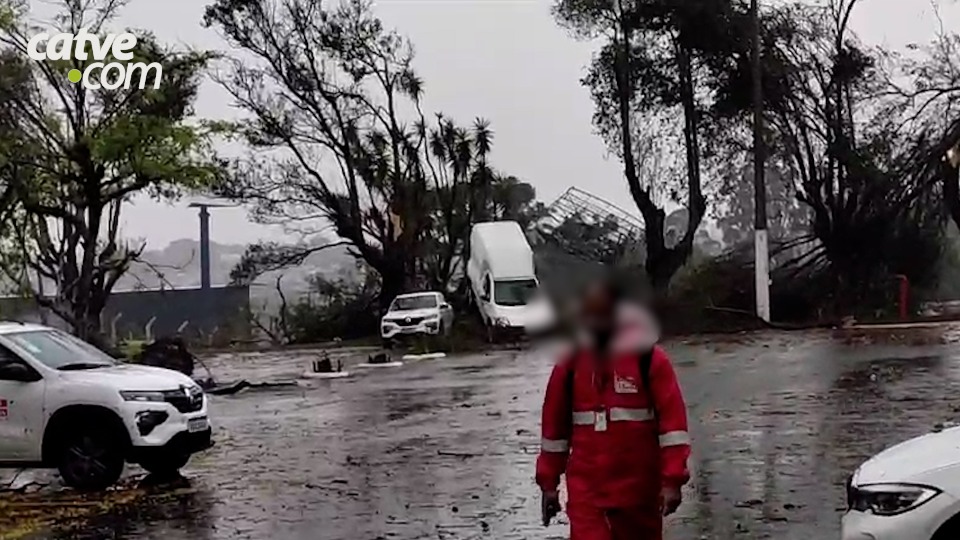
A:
<point x="514" y="293"/>
<point x="59" y="350"/>
<point x="422" y="301"/>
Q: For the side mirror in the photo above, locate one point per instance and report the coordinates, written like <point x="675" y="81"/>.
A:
<point x="15" y="371"/>
<point x="444" y="306"/>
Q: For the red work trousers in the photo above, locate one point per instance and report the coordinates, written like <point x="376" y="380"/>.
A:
<point x="588" y="522"/>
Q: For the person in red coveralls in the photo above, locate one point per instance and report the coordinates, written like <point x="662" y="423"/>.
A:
<point x="614" y="421"/>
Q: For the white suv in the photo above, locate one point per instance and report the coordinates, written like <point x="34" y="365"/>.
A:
<point x="65" y="404"/>
<point x="424" y="313"/>
<point x="908" y="492"/>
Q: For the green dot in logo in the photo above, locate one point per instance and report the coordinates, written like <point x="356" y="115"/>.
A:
<point x="74" y="75"/>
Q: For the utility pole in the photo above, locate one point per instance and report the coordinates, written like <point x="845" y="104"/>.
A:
<point x="761" y="251"/>
<point x="204" y="247"/>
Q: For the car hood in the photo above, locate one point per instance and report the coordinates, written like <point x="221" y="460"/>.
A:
<point x="412" y="313"/>
<point x="130" y="377"/>
<point x="915" y="461"/>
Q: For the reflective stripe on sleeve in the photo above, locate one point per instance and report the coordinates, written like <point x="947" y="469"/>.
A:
<point x="674" y="438"/>
<point x="555" y="446"/>
<point x="584" y="418"/>
<point x="620" y="414"/>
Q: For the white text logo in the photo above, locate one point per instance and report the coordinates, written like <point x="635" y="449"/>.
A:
<point x="98" y="74"/>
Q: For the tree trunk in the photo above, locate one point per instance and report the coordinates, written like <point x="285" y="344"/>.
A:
<point x="663" y="261"/>
<point x="87" y="328"/>
<point x="950" y="176"/>
<point x="393" y="282"/>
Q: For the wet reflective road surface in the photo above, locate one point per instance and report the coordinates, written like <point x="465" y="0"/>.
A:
<point x="444" y="449"/>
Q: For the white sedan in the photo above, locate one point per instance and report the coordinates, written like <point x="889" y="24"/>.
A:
<point x="908" y="492"/>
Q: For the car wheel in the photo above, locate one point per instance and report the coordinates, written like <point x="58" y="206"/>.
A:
<point x="165" y="466"/>
<point x="91" y="458"/>
<point x="949" y="530"/>
<point x="441" y="341"/>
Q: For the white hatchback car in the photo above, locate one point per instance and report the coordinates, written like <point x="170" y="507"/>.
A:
<point x="424" y="313"/>
<point x="66" y="405"/>
<point x="908" y="492"/>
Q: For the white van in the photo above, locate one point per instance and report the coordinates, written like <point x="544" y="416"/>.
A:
<point x="503" y="281"/>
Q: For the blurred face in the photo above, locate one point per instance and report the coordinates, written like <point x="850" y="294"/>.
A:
<point x="597" y="314"/>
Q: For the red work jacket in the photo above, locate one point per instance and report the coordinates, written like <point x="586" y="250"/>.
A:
<point x="617" y="445"/>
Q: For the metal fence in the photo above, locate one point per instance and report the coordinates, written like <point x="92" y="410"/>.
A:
<point x="216" y="314"/>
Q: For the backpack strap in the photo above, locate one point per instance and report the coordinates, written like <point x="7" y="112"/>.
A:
<point x="646" y="360"/>
<point x="568" y="389"/>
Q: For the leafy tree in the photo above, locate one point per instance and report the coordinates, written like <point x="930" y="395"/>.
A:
<point x="335" y="308"/>
<point x="872" y="213"/>
<point x="654" y="65"/>
<point x="923" y="90"/>
<point x="72" y="157"/>
<point x="514" y="200"/>
<point x="329" y="95"/>
<point x="459" y="188"/>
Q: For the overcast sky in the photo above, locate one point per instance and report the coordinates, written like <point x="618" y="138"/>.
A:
<point x="504" y="60"/>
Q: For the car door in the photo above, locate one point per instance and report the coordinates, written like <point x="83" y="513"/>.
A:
<point x="446" y="312"/>
<point x="21" y="410"/>
<point x="485" y="297"/>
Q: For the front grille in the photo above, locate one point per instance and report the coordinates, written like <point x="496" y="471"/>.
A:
<point x="409" y="321"/>
<point x="185" y="400"/>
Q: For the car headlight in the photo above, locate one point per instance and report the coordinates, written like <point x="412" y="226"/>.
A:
<point x="501" y="321"/>
<point x="135" y="395"/>
<point x="889" y="499"/>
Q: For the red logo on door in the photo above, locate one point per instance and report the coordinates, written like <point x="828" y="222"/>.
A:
<point x="3" y="408"/>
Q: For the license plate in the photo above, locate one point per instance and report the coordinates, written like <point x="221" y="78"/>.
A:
<point x="198" y="424"/>
<point x="409" y="330"/>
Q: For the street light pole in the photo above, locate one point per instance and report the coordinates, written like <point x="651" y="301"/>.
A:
<point x="204" y="247"/>
<point x="204" y="207"/>
<point x="761" y="251"/>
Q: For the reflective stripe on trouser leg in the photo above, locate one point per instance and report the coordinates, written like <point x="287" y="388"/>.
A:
<point x="558" y="446"/>
<point x="674" y="438"/>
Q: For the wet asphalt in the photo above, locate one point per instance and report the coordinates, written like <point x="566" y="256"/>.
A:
<point x="445" y="449"/>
